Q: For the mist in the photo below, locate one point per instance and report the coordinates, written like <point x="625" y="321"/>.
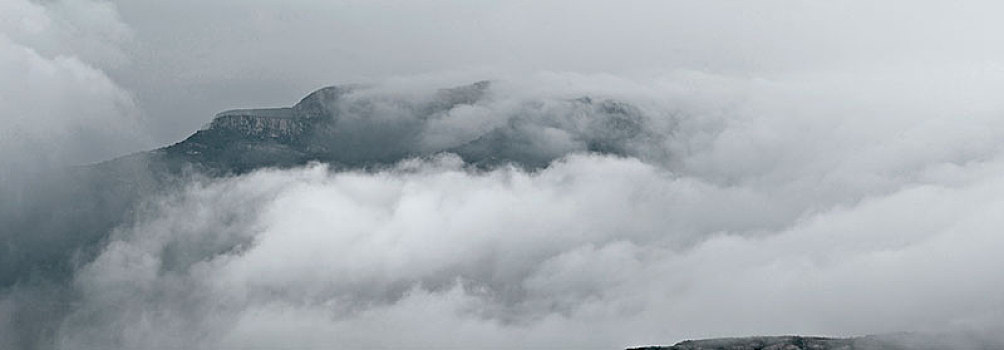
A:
<point x="612" y="248"/>
<point x="760" y="220"/>
<point x="770" y="168"/>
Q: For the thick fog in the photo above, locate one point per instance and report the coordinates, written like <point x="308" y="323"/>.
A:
<point x="764" y="221"/>
<point x="803" y="168"/>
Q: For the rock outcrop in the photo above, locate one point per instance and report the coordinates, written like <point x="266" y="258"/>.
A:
<point x="261" y="123"/>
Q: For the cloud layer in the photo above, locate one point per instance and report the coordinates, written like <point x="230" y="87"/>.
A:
<point x="810" y="168"/>
<point x="801" y="206"/>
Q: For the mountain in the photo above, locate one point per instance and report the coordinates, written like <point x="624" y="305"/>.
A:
<point x="348" y="126"/>
<point x="895" y="341"/>
<point x="59" y="221"/>
<point x="62" y="217"/>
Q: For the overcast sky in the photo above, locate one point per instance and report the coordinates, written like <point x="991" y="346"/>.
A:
<point x="819" y="167"/>
<point x="185" y="60"/>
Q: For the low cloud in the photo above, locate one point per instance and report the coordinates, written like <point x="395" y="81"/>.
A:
<point x="838" y="214"/>
<point x="58" y="109"/>
<point x="796" y="172"/>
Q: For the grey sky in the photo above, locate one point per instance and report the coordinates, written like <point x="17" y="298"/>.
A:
<point x="186" y="60"/>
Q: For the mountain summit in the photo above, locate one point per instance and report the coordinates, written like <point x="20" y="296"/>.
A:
<point x="324" y="126"/>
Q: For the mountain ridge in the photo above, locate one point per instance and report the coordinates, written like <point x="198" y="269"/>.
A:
<point x="890" y="341"/>
<point x="370" y="130"/>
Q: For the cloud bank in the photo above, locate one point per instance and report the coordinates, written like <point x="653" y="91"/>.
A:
<point x="58" y="108"/>
<point x="810" y="206"/>
<point x="813" y="168"/>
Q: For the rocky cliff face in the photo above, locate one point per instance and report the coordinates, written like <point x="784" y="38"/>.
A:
<point x="261" y="126"/>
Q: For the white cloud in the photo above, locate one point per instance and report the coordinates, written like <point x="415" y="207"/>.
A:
<point x="58" y="109"/>
<point x="797" y="206"/>
<point x="832" y="168"/>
